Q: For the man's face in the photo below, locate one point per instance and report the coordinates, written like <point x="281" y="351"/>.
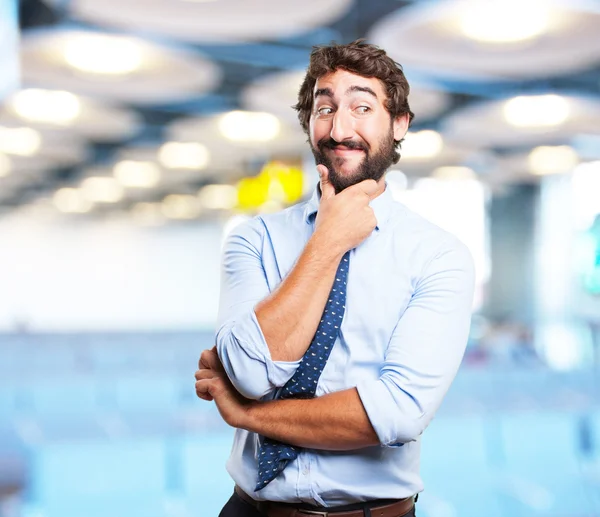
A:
<point x="351" y="131"/>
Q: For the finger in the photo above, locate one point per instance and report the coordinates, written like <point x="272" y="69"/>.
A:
<point x="327" y="189"/>
<point x="210" y="359"/>
<point x="203" y="389"/>
<point x="204" y="396"/>
<point x="205" y="373"/>
<point x="208" y="398"/>
<point x="201" y="364"/>
<point x="369" y="187"/>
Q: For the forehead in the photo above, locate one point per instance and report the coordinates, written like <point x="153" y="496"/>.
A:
<point x="341" y="81"/>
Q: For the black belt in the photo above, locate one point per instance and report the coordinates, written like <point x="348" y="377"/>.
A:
<point x="396" y="508"/>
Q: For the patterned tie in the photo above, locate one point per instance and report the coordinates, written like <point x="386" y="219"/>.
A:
<point x="274" y="456"/>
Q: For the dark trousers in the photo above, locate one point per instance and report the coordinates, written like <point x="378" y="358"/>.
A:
<point x="237" y="507"/>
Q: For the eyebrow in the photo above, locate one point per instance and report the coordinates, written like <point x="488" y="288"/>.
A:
<point x="324" y="92"/>
<point x="365" y="89"/>
<point x="327" y="92"/>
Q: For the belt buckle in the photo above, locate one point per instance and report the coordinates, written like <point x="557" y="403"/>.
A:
<point x="313" y="512"/>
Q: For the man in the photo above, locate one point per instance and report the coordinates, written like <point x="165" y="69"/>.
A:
<point x="342" y="320"/>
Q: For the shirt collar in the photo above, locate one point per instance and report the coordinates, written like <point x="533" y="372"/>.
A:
<point x="381" y="205"/>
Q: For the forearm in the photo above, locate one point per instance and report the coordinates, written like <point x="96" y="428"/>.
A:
<point x="336" y="421"/>
<point x="290" y="315"/>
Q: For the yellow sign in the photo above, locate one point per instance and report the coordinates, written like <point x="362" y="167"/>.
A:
<point x="277" y="182"/>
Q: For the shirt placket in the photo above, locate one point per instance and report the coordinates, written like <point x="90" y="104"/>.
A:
<point x="304" y="478"/>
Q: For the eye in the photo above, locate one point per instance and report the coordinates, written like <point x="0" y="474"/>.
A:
<point x="324" y="111"/>
<point x="363" y="109"/>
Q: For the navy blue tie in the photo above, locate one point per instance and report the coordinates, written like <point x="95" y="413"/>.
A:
<point x="274" y="456"/>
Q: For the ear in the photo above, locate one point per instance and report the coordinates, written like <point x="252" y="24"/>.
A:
<point x="400" y="126"/>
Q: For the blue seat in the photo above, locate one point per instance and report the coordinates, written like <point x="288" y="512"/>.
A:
<point x="8" y="402"/>
<point x="68" y="396"/>
<point x="206" y="485"/>
<point x="99" y="478"/>
<point x="542" y="462"/>
<point x="592" y="463"/>
<point x="471" y="390"/>
<point x="526" y="389"/>
<point x="594" y="421"/>
<point x="148" y="392"/>
<point x="457" y="467"/>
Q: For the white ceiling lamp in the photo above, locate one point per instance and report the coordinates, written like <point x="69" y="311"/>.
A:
<point x="5" y="165"/>
<point x="421" y="145"/>
<point x="181" y="206"/>
<point x="83" y="116"/>
<point x="22" y="141"/>
<point x="211" y="21"/>
<point x="536" y="110"/>
<point x="218" y="197"/>
<point x="137" y="174"/>
<point x="552" y="159"/>
<point x="249" y="126"/>
<point x="523" y="121"/>
<point x="454" y="173"/>
<point x="48" y="106"/>
<point x="275" y="93"/>
<point x="102" y="189"/>
<point x="103" y="54"/>
<point x="472" y="39"/>
<point x="184" y="155"/>
<point x="508" y="21"/>
<point x="71" y="201"/>
<point x="110" y="67"/>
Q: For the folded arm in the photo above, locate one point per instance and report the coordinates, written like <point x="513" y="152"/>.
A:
<point x="262" y="335"/>
<point x="421" y="361"/>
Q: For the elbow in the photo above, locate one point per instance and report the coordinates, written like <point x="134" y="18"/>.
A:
<point x="407" y="430"/>
<point x="246" y="374"/>
<point x="247" y="390"/>
<point x="408" y="418"/>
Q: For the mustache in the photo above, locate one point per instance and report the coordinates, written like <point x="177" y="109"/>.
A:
<point x="330" y="143"/>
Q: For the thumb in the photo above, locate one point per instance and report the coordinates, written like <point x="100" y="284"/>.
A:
<point x="327" y="189"/>
<point x="369" y="187"/>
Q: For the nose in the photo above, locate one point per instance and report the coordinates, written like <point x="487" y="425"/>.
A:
<point x="343" y="127"/>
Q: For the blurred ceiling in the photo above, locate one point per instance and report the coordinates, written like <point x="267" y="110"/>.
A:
<point x="161" y="98"/>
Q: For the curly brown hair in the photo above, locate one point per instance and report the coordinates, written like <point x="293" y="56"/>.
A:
<point x="359" y="58"/>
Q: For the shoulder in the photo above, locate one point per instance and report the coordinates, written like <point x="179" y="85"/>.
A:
<point x="254" y="229"/>
<point x="429" y="243"/>
<point x="292" y="215"/>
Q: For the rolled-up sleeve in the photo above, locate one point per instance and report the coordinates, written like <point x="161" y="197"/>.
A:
<point x="240" y="342"/>
<point x="425" y="350"/>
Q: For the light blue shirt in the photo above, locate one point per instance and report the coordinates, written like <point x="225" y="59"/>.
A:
<point x="404" y="333"/>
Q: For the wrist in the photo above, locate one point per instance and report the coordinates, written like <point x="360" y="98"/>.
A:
<point x="325" y="246"/>
<point x="249" y="417"/>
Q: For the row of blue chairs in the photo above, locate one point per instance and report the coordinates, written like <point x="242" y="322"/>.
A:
<point x="531" y="464"/>
<point x="520" y="464"/>
<point x="84" y="394"/>
<point x="137" y="477"/>
<point x="18" y="363"/>
<point x="473" y="391"/>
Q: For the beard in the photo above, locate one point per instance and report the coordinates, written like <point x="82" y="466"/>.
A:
<point x="373" y="166"/>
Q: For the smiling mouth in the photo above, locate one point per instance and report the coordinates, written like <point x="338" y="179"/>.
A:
<point x="345" y="151"/>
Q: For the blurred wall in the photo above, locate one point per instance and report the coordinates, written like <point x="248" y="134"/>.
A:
<point x="58" y="277"/>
